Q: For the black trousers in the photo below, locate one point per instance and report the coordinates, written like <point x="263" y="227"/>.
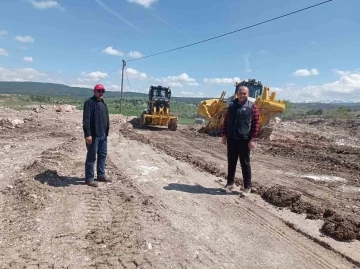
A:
<point x="238" y="149"/>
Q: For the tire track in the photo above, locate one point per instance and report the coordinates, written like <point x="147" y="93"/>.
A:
<point x="169" y="237"/>
<point x="172" y="206"/>
<point x="260" y="185"/>
<point x="75" y="224"/>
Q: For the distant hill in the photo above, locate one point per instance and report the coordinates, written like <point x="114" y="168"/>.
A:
<point x="52" y="89"/>
<point x="327" y="106"/>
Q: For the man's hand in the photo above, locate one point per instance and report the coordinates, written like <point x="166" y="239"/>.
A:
<point x="224" y="140"/>
<point x="88" y="140"/>
<point x="251" y="144"/>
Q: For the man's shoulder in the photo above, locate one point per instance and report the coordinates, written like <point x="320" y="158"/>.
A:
<point x="89" y="100"/>
<point x="233" y="102"/>
<point x="252" y="104"/>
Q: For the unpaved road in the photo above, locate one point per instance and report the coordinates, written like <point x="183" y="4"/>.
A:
<point x="161" y="211"/>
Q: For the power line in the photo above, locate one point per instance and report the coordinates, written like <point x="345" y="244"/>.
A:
<point x="229" y="33"/>
<point x="232" y="32"/>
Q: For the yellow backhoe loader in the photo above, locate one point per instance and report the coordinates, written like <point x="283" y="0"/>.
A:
<point x="214" y="110"/>
<point x="158" y="110"/>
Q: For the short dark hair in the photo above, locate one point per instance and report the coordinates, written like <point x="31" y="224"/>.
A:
<point x="239" y="86"/>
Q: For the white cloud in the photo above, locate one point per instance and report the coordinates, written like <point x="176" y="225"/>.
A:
<point x="306" y="72"/>
<point x="183" y="78"/>
<point x="193" y="84"/>
<point x="135" y="54"/>
<point x="3" y="52"/>
<point x="222" y="80"/>
<point x="28" y="59"/>
<point x="176" y="81"/>
<point x="144" y="3"/>
<point x="44" y="4"/>
<point x="2" y="33"/>
<point x="114" y="87"/>
<point x="57" y="81"/>
<point x="117" y="88"/>
<point x="92" y="76"/>
<point x="21" y="74"/>
<point x="174" y="84"/>
<point x="111" y="51"/>
<point x="81" y="86"/>
<point x="135" y="74"/>
<point x="346" y="88"/>
<point x="25" y="39"/>
<point x="341" y="73"/>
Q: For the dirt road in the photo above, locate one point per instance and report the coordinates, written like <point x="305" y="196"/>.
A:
<point x="163" y="210"/>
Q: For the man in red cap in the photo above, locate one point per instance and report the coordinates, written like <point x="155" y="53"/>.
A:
<point x="96" y="124"/>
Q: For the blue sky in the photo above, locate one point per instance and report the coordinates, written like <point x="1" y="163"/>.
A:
<point x="312" y="55"/>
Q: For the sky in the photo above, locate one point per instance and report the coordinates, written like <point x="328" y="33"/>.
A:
<point x="311" y="55"/>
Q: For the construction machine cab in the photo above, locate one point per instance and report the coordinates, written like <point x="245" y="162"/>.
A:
<point x="255" y="89"/>
<point x="159" y="97"/>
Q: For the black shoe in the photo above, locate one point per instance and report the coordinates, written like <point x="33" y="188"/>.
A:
<point x="103" y="179"/>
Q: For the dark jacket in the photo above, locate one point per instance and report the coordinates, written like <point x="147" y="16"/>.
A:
<point x="96" y="122"/>
<point x="241" y="120"/>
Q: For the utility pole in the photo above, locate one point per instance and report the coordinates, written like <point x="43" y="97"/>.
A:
<point x="122" y="84"/>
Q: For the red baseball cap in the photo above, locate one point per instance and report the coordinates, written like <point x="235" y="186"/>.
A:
<point x="99" y="87"/>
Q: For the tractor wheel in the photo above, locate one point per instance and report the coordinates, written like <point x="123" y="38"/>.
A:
<point x="142" y="121"/>
<point x="173" y="125"/>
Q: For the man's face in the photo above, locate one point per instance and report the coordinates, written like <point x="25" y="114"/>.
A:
<point x="99" y="94"/>
<point x="242" y="93"/>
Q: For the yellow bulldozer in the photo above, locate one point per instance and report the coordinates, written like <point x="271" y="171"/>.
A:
<point x="158" y="110"/>
<point x="214" y="110"/>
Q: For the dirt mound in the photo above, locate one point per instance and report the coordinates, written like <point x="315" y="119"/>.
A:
<point x="135" y="121"/>
<point x="11" y="123"/>
<point x="339" y="227"/>
<point x="283" y="197"/>
<point x="280" y="196"/>
<point x="118" y="118"/>
<point x="335" y="225"/>
<point x="26" y="192"/>
<point x="193" y="131"/>
<point x="321" y="155"/>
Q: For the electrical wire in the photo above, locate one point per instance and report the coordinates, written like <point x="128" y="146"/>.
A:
<point x="229" y="33"/>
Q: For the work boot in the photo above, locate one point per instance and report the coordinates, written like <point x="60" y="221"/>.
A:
<point x="245" y="192"/>
<point x="92" y="183"/>
<point x="103" y="179"/>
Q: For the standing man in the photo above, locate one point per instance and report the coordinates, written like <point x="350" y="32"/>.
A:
<point x="241" y="126"/>
<point x="96" y="124"/>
